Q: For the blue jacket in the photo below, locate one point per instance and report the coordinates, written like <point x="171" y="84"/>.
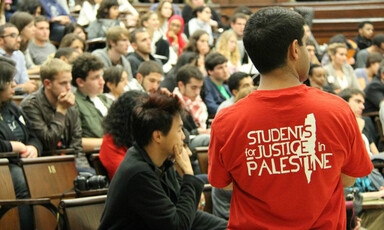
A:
<point x="212" y="96"/>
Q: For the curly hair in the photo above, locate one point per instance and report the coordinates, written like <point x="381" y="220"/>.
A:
<point x="117" y="122"/>
<point x="83" y="64"/>
<point x="105" y="5"/>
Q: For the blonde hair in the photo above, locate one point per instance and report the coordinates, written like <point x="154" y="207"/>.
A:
<point x="222" y="47"/>
<point x="332" y="49"/>
<point x="52" y="67"/>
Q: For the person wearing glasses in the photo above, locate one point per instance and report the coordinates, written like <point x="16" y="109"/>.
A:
<point x="10" y="48"/>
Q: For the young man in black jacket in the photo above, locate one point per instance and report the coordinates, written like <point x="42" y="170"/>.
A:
<point x="145" y="192"/>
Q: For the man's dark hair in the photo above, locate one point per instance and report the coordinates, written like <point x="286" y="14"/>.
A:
<point x="213" y="59"/>
<point x="374" y="57"/>
<point x="156" y="113"/>
<point x="198" y="10"/>
<point x="66" y="52"/>
<point x="268" y="34"/>
<point x="310" y="42"/>
<point x="30" y="6"/>
<point x="105" y="5"/>
<point x="381" y="68"/>
<point x="243" y="9"/>
<point x="347" y="93"/>
<point x="187" y="72"/>
<point x="41" y="18"/>
<point x="4" y="26"/>
<point x="117" y="122"/>
<point x="234" y="80"/>
<point x="312" y="67"/>
<point x="238" y="15"/>
<point x="7" y="72"/>
<point x="113" y="75"/>
<point x="83" y="64"/>
<point x="378" y="39"/>
<point x="363" y="23"/>
<point x="147" y="67"/>
<point x="132" y="36"/>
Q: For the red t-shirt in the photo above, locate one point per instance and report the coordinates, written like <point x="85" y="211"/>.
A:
<point x="284" y="152"/>
<point x="110" y="155"/>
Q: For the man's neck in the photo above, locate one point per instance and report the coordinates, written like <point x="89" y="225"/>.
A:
<point x="85" y="93"/>
<point x="217" y="82"/>
<point x="114" y="56"/>
<point x="279" y="79"/>
<point x="144" y="56"/>
<point x="155" y="154"/>
<point x="39" y="42"/>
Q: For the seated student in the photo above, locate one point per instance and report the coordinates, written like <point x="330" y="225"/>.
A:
<point x="74" y="41"/>
<point x="39" y="47"/>
<point x="141" y="43"/>
<point x="377" y="46"/>
<point x="87" y="76"/>
<point x="316" y="78"/>
<point x="311" y="48"/>
<point x="199" y="44"/>
<point x="215" y="90"/>
<point x="16" y="135"/>
<point x="375" y="91"/>
<point x="149" y="76"/>
<point x="236" y="82"/>
<point x="88" y="12"/>
<point x="145" y="186"/>
<point x="365" y="75"/>
<point x="201" y="21"/>
<point x="107" y="16"/>
<point x="117" y="42"/>
<point x="117" y="138"/>
<point x="364" y="39"/>
<point x="116" y="79"/>
<point x="66" y="54"/>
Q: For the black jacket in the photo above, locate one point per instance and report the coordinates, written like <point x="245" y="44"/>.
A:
<point x="6" y="134"/>
<point x="142" y="196"/>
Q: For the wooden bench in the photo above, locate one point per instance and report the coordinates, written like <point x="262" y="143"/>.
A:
<point x="202" y="158"/>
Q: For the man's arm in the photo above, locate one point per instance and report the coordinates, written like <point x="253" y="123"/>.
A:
<point x="347" y="181"/>
<point x="90" y="144"/>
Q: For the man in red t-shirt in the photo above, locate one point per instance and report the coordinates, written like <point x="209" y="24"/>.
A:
<point x="287" y="149"/>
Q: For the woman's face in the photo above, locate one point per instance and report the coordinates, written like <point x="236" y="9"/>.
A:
<point x="28" y="32"/>
<point x="153" y="22"/>
<point x="121" y="85"/>
<point x="79" y="32"/>
<point x="78" y="46"/>
<point x="175" y="26"/>
<point x="113" y="12"/>
<point x="232" y="44"/>
<point x="8" y="92"/>
<point x="205" y="15"/>
<point x="166" y="10"/>
<point x="340" y="56"/>
<point x="317" y="79"/>
<point x="202" y="44"/>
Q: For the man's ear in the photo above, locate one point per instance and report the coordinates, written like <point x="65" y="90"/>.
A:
<point x="134" y="46"/>
<point x="156" y="136"/>
<point x="180" y="85"/>
<point x="110" y="85"/>
<point x="79" y="82"/>
<point x="294" y="50"/>
<point x="209" y="72"/>
<point x="234" y="92"/>
<point x="46" y="83"/>
<point x="139" y="78"/>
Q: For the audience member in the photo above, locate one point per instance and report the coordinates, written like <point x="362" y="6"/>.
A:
<point x="190" y="6"/>
<point x="175" y="8"/>
<point x="227" y="46"/>
<point x="175" y="35"/>
<point x="365" y="75"/>
<point x="2" y="13"/>
<point x="199" y="44"/>
<point x="31" y="6"/>
<point x="16" y="135"/>
<point x="375" y="91"/>
<point x="73" y="41"/>
<point x="274" y="108"/>
<point x="164" y="12"/>
<point x="200" y="21"/>
<point x="40" y="47"/>
<point x="66" y="54"/>
<point x="149" y="76"/>
<point x="77" y="29"/>
<point x="215" y="91"/>
<point x="9" y="48"/>
<point x="87" y="76"/>
<point x="316" y="78"/>
<point x="351" y="47"/>
<point x="236" y="82"/>
<point x="311" y="48"/>
<point x="377" y="46"/>
<point x="88" y="12"/>
<point x="116" y="79"/>
<point x="141" y="43"/>
<point x="107" y="16"/>
<point x="117" y="131"/>
<point x="238" y="21"/>
<point x="364" y="38"/>
<point x="24" y="22"/>
<point x="339" y="74"/>
<point x="147" y="178"/>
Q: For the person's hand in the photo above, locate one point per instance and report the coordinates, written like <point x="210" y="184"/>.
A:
<point x="358" y="224"/>
<point x="17" y="146"/>
<point x="30" y="152"/>
<point x="165" y="91"/>
<point x="201" y="203"/>
<point x="62" y="19"/>
<point x="213" y="23"/>
<point x="30" y="86"/>
<point x="172" y="35"/>
<point x="203" y="131"/>
<point x="64" y="101"/>
<point x="182" y="159"/>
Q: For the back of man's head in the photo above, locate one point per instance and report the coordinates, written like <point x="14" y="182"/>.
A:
<point x="347" y="93"/>
<point x="234" y="80"/>
<point x="83" y="64"/>
<point x="52" y="67"/>
<point x="147" y="67"/>
<point x="114" y="34"/>
<point x="268" y="34"/>
<point x="66" y="52"/>
<point x="187" y="72"/>
<point x="155" y="114"/>
<point x="378" y="40"/>
<point x="213" y="59"/>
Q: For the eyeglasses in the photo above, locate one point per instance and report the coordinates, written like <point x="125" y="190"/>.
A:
<point x="12" y="35"/>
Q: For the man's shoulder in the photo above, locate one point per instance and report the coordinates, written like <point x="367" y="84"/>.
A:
<point x="32" y="100"/>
